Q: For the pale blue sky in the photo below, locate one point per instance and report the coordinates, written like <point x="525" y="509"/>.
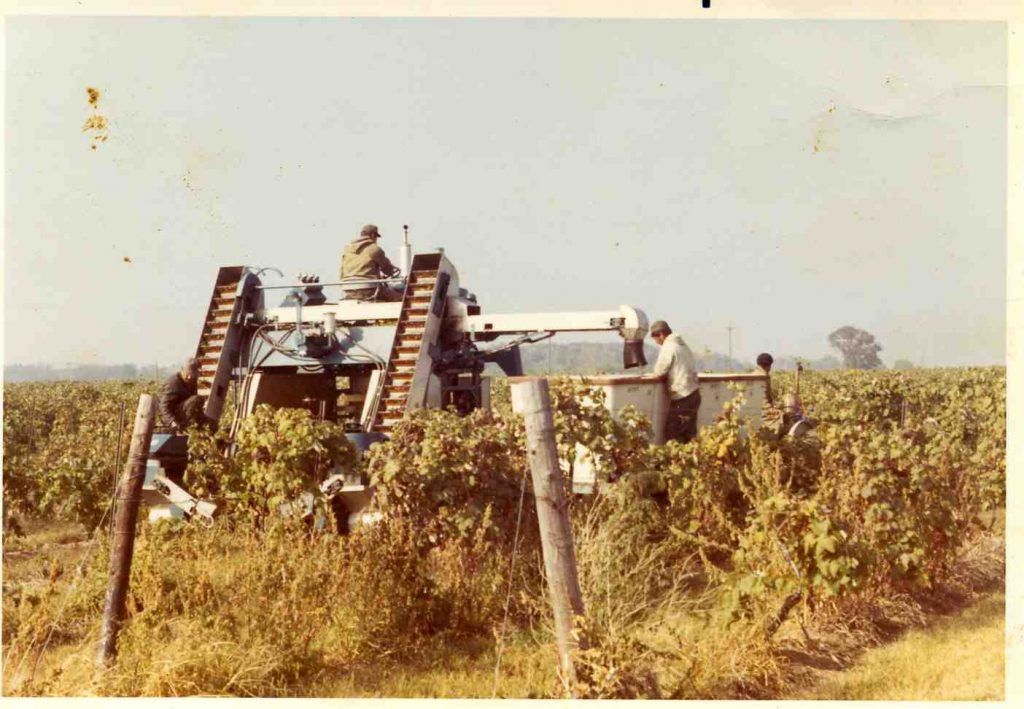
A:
<point x="787" y="177"/>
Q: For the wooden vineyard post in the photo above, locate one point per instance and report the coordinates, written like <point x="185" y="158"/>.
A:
<point x="129" y="493"/>
<point x="530" y="398"/>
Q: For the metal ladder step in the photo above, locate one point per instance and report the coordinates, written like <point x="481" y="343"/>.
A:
<point x="211" y="344"/>
<point x="407" y="347"/>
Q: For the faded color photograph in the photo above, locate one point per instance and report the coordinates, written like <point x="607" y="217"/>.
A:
<point x="550" y="358"/>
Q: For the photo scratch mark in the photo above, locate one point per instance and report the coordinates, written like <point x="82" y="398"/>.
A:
<point x="825" y="130"/>
<point x="96" y="125"/>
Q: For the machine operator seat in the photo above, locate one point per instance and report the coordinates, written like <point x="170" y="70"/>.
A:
<point x="348" y="290"/>
<point x="358" y="289"/>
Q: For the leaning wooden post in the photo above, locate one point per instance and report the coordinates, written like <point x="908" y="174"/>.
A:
<point x="530" y="397"/>
<point x="129" y="492"/>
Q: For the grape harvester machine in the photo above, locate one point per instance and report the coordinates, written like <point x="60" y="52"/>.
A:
<point x="363" y="364"/>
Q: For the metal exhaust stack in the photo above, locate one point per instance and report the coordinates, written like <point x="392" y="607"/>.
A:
<point x="405" y="253"/>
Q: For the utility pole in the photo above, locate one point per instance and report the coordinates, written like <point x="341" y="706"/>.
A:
<point x="530" y="397"/>
<point x="729" y="328"/>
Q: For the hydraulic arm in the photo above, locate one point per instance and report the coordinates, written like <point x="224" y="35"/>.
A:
<point x="629" y="322"/>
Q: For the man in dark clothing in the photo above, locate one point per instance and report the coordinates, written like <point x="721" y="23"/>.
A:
<point x="364" y="260"/>
<point x="771" y="415"/>
<point x="764" y="365"/>
<point x="180" y="405"/>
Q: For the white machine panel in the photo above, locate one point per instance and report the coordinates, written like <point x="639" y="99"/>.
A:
<point x="650" y="397"/>
<point x="344" y="311"/>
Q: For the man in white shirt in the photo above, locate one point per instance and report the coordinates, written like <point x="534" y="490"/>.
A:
<point x="676" y="364"/>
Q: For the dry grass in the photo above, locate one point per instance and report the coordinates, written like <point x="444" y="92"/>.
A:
<point x="958" y="658"/>
<point x="447" y="669"/>
<point x="651" y="622"/>
<point x="39" y="536"/>
<point x="916" y="646"/>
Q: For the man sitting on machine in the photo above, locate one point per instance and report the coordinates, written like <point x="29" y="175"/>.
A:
<point x="363" y="260"/>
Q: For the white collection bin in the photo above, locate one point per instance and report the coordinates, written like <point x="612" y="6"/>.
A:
<point x="650" y="396"/>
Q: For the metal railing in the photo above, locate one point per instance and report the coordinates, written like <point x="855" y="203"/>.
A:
<point x="354" y="283"/>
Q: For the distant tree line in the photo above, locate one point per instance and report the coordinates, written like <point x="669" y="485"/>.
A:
<point x="82" y="372"/>
<point x="858" y="348"/>
<point x="788" y="362"/>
